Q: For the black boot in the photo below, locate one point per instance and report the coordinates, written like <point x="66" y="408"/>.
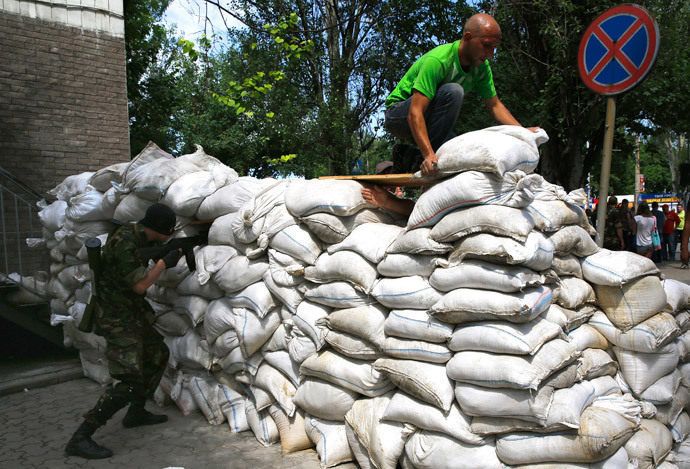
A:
<point x="83" y="446"/>
<point x="137" y="415"/>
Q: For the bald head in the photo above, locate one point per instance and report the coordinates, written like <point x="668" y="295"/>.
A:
<point x="482" y="24"/>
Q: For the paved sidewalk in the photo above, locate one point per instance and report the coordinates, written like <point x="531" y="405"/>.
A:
<point x="35" y="426"/>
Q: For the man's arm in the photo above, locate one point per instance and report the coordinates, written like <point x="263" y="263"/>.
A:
<point x="417" y="123"/>
<point x="151" y="276"/>
<point x="384" y="199"/>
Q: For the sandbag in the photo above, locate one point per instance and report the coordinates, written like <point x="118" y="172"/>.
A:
<point x="485" y="275"/>
<point x="641" y="370"/>
<point x="324" y="399"/>
<point x="586" y="336"/>
<point x="568" y="404"/>
<point x="192" y="307"/>
<point x="204" y="389"/>
<point x="240" y="272"/>
<point x="253" y="331"/>
<point x="467" y="305"/>
<point x="370" y="240"/>
<point x="403" y="265"/>
<point x="567" y="266"/>
<point x="365" y="322"/>
<point x="85" y="207"/>
<point x="568" y="319"/>
<point x="330" y="439"/>
<point x="230" y="198"/>
<point x="70" y="186"/>
<point x="339" y="197"/>
<point x="262" y="424"/>
<point x="103" y="178"/>
<point x="352" y="346"/>
<point x="186" y="193"/>
<point x="405" y="293"/>
<point x="286" y="271"/>
<point x="418" y="325"/>
<point x="552" y="215"/>
<point x="332" y="229"/>
<point x="677" y="295"/>
<point x="647" y="337"/>
<point x="616" y="268"/>
<point x="432" y="450"/>
<point x="503" y="337"/>
<point x="573" y="240"/>
<point x="278" y="386"/>
<point x="419" y="350"/>
<point x="522" y="404"/>
<point x="535" y="253"/>
<point x="594" y="363"/>
<point x="255" y="297"/>
<point x="232" y="405"/>
<point x="418" y="241"/>
<point x="574" y="292"/>
<point x="306" y="319"/>
<point x="628" y="305"/>
<point x="335" y="294"/>
<point x="650" y="444"/>
<point x="298" y="242"/>
<point x="499" y="220"/>
<point x="425" y="381"/>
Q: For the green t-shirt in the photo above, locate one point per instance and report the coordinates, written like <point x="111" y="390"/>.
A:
<point x="437" y="67"/>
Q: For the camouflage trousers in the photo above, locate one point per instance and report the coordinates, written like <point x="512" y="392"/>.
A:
<point x="137" y="361"/>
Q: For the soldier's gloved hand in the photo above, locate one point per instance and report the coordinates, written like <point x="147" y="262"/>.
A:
<point x="172" y="258"/>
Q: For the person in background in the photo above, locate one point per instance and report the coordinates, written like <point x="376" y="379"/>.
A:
<point x="643" y="225"/>
<point x="613" y="229"/>
<point x="627" y="222"/>
<point x="135" y="351"/>
<point x="660" y="218"/>
<point x="679" y="229"/>
<point x="384" y="198"/>
<point x="668" y="246"/>
<point x="684" y="253"/>
<point x="424" y="107"/>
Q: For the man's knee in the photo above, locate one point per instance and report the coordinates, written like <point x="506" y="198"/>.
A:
<point x="451" y="92"/>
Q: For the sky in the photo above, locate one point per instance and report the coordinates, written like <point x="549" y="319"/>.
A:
<point x="188" y="16"/>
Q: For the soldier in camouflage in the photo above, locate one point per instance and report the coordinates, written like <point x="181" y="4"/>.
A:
<point x="613" y="229"/>
<point x="135" y="350"/>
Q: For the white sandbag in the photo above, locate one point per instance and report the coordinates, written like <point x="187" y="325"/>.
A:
<point x="307" y="320"/>
<point x="289" y="297"/>
<point x="240" y="272"/>
<point x="192" y="307"/>
<point x="58" y="290"/>
<point x="277" y="343"/>
<point x="574" y="292"/>
<point x="218" y="319"/>
<point x="225" y="343"/>
<point x="191" y="286"/>
<point x="497" y="220"/>
<point x="352" y="346"/>
<point x="298" y="242"/>
<point x="467" y="189"/>
<point x="616" y="268"/>
<point x="418" y="325"/>
<point x="498" y="149"/>
<point x="339" y="197"/>
<point x="95" y="370"/>
<point x="510" y="371"/>
<point x="535" y="253"/>
<point x="425" y="381"/>
<point x="586" y="336"/>
<point x="628" y="305"/>
<point x="418" y="350"/>
<point x="365" y="322"/>
<point x="131" y="208"/>
<point x="677" y="295"/>
<point x="262" y="398"/>
<point x="432" y="450"/>
<point x="618" y="460"/>
<point x="568" y="404"/>
<point x="356" y="375"/>
<point x="151" y="152"/>
<point x="286" y="270"/>
<point x="262" y="424"/>
<point x="405" y="293"/>
<point x="234" y="362"/>
<point x="70" y="186"/>
<point x="641" y="370"/>
<point x="171" y="324"/>
<point x="332" y="229"/>
<point x="186" y="193"/>
<point x="573" y="240"/>
<point x="568" y="319"/>
<point x="683" y="343"/>
<point x="403" y="265"/>
<point x="204" y="389"/>
<point x="330" y="439"/>
<point x="253" y="331"/>
<point x="683" y="320"/>
<point x="522" y="404"/>
<point x="230" y="198"/>
<point x="650" y="444"/>
<point x="72" y="277"/>
<point x="594" y="363"/>
<point x="602" y="432"/>
<point x="647" y="337"/>
<point x="485" y="275"/>
<point x="103" y="178"/>
<point x="210" y="259"/>
<point x="277" y="385"/>
<point x="190" y="350"/>
<point x="418" y="241"/>
<point x="252" y="217"/>
<point x="324" y="399"/>
<point x="220" y="233"/>
<point x="53" y="216"/>
<point x="569" y="265"/>
<point x="668" y="413"/>
<point x="370" y="240"/>
<point x="503" y="337"/>
<point x="552" y="215"/>
<point x="85" y="207"/>
<point x="467" y="305"/>
<point x="232" y="404"/>
<point x="404" y="408"/>
<point x="336" y="294"/>
<point x="384" y="440"/>
<point x="680" y="429"/>
<point x="663" y="390"/>
<point x="255" y="297"/>
<point x="345" y="266"/>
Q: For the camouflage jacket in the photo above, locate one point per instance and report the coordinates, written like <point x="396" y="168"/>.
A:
<point x="120" y="308"/>
<point x="613" y="222"/>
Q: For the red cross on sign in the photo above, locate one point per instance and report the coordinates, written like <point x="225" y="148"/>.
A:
<point x="618" y="49"/>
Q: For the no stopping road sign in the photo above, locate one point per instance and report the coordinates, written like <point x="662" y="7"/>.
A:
<point x="618" y="49"/>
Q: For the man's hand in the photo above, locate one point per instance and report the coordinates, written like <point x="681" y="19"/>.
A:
<point x="172" y="258"/>
<point x="377" y="195"/>
<point x="533" y="129"/>
<point x="428" y="166"/>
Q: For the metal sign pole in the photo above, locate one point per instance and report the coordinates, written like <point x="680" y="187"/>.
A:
<point x="605" y="168"/>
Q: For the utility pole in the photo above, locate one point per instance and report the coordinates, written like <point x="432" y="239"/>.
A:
<point x="637" y="171"/>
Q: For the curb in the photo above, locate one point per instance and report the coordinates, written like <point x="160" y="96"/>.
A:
<point x="41" y="377"/>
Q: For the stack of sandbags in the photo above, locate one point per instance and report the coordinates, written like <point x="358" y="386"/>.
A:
<point x="638" y="319"/>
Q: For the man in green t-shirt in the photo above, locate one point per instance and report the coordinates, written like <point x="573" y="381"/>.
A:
<point x="424" y="107"/>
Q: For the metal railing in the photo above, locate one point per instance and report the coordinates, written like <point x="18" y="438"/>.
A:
<point x="19" y="221"/>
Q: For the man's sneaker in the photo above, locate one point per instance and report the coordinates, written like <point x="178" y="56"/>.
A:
<point x="684" y="266"/>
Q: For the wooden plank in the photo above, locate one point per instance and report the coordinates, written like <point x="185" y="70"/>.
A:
<point x="386" y="179"/>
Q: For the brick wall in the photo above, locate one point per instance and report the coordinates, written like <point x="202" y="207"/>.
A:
<point x="63" y="100"/>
